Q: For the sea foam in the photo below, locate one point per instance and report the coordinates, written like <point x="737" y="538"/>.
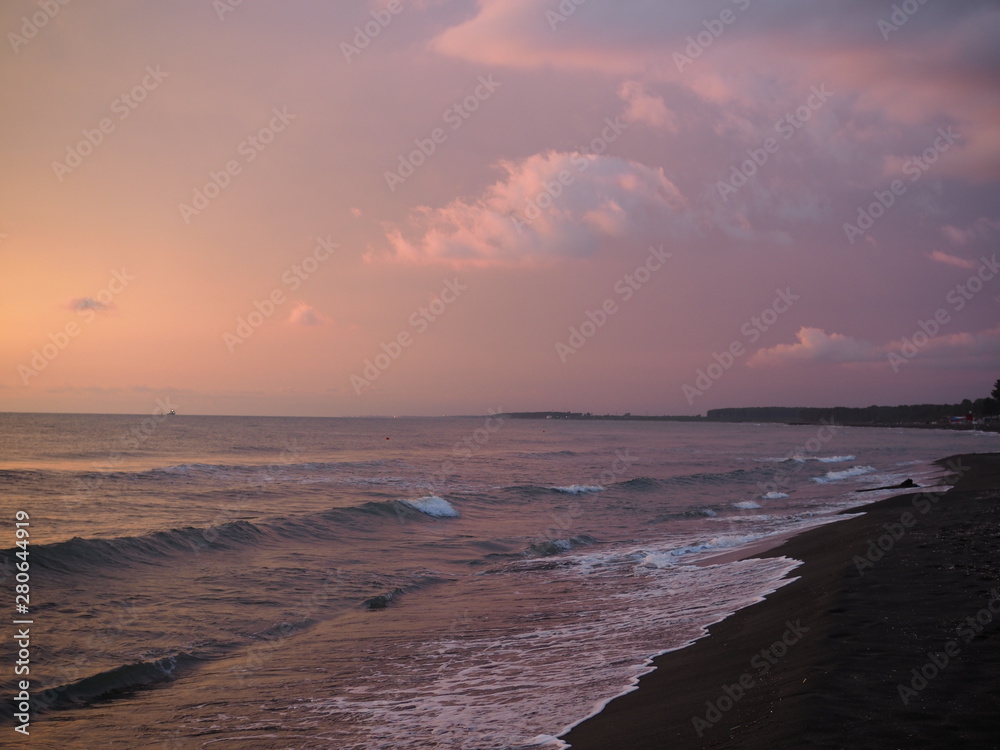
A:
<point x="577" y="489"/>
<point x="433" y="505"/>
<point x="836" y="476"/>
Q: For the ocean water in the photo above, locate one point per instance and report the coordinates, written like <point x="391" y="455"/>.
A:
<point x="477" y="583"/>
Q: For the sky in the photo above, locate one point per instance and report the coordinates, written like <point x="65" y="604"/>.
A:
<point x="427" y="207"/>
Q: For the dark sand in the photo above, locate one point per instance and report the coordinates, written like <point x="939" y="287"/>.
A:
<point x="837" y="686"/>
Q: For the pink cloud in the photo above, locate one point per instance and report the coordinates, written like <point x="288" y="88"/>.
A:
<point x="645" y="107"/>
<point x="304" y="314"/>
<point x="547" y="206"/>
<point x="952" y="260"/>
<point x="816" y="345"/>
<point x="79" y="304"/>
<point x="981" y="229"/>
<point x="957" y="350"/>
<point x="938" y="68"/>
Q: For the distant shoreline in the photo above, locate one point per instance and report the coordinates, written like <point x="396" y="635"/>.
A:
<point x="747" y="416"/>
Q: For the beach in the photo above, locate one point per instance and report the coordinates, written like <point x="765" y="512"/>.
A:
<point x="889" y="638"/>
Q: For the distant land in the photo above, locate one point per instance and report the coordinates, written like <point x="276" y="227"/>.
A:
<point x="963" y="415"/>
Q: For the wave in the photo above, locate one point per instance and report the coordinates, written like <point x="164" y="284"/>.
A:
<point x="801" y="459"/>
<point x="578" y="489"/>
<point x="640" y="483"/>
<point x="668" y="558"/>
<point x="726" y="541"/>
<point x="432" y="505"/>
<point x="717" y="478"/>
<point x="836" y="476"/>
<point x="557" y="546"/>
<point x="111" y="683"/>
<point x="148" y="548"/>
<point x="703" y="512"/>
<point x="381" y="601"/>
<point x="156" y="547"/>
<point x="750" y="504"/>
<point x="773" y="496"/>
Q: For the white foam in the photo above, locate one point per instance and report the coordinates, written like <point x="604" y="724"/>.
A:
<point x="726" y="541"/>
<point x="836" y="476"/>
<point x="835" y="459"/>
<point x="551" y="667"/>
<point x="433" y="505"/>
<point x="773" y="496"/>
<point x="577" y="489"/>
<point x="751" y="505"/>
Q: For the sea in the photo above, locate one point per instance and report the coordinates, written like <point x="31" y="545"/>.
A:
<point x="474" y="583"/>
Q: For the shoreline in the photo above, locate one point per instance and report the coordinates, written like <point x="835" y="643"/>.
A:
<point x="828" y="660"/>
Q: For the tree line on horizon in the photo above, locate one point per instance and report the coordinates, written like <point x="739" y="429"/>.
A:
<point x="903" y="414"/>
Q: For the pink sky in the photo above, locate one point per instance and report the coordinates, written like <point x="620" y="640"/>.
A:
<point x="653" y="207"/>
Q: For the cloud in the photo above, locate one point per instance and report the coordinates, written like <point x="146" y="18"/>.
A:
<point x="645" y="107"/>
<point x="939" y="67"/>
<point x="951" y="260"/>
<point x="958" y="350"/>
<point x="816" y="345"/>
<point x="981" y="229"/>
<point x="304" y="314"/>
<point x="80" y="304"/>
<point x="546" y="207"/>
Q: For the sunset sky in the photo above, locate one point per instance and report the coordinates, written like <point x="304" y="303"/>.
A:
<point x="432" y="207"/>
